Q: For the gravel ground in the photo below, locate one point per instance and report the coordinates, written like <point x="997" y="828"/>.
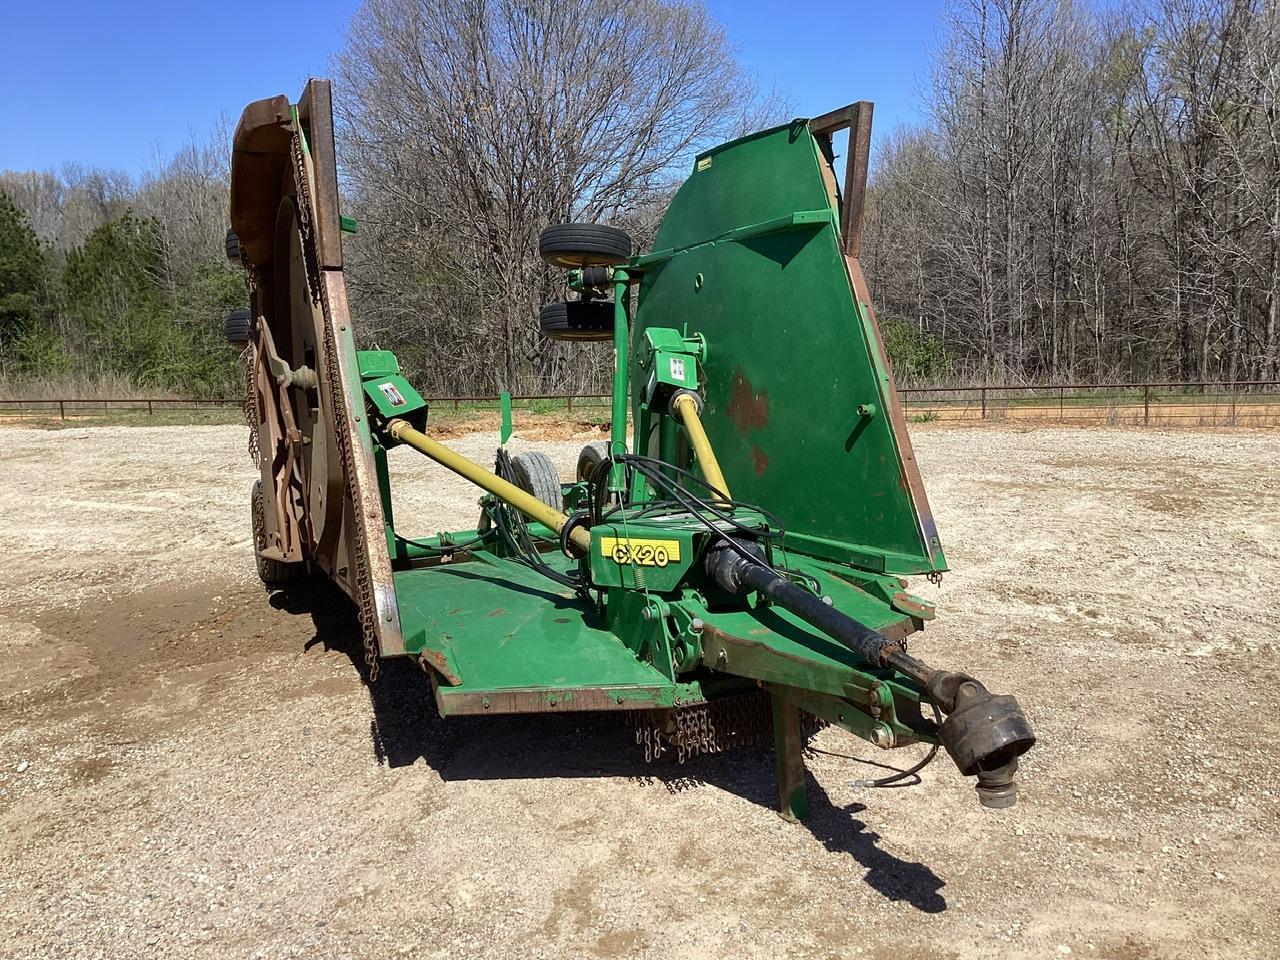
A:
<point x="190" y="768"/>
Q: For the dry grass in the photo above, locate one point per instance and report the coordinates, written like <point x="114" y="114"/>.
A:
<point x="73" y="387"/>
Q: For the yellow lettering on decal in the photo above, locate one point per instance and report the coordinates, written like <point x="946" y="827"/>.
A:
<point x="642" y="553"/>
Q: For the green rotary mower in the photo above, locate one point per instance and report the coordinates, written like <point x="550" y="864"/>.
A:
<point x="734" y="572"/>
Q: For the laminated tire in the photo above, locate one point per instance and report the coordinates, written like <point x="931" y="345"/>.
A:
<point x="578" y="320"/>
<point x="239" y="323"/>
<point x="571" y="245"/>
<point x="592" y="455"/>
<point x="233" y="248"/>
<point x="536" y="474"/>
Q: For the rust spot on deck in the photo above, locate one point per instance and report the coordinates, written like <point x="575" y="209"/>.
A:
<point x="440" y="664"/>
<point x="497" y="612"/>
<point x="759" y="461"/>
<point x="747" y="408"/>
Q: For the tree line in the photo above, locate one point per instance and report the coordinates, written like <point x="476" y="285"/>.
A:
<point x="1095" y="195"/>
<point x="104" y="277"/>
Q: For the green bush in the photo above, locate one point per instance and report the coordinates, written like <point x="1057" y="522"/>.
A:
<point x="24" y="288"/>
<point x="914" y="354"/>
<point x="162" y="332"/>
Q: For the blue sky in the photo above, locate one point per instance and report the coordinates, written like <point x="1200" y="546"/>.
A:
<point x="114" y="84"/>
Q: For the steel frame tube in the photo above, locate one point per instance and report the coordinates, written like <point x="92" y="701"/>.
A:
<point x="507" y="492"/>
<point x="621" y="378"/>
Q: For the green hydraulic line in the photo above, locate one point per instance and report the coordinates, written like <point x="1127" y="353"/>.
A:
<point x="621" y="377"/>
<point x="507" y="492"/>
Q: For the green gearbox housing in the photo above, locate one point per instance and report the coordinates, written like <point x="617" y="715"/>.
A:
<point x="387" y="392"/>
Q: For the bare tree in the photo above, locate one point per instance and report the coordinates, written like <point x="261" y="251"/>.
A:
<point x="468" y="125"/>
<point x="1103" y="191"/>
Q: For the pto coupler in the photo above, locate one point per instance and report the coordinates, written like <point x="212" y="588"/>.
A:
<point x="984" y="733"/>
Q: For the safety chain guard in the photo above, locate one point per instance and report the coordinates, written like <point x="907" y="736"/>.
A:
<point x="712" y="726"/>
<point x="364" y="595"/>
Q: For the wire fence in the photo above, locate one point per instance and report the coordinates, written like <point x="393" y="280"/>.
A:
<point x="1196" y="403"/>
<point x="1199" y="403"/>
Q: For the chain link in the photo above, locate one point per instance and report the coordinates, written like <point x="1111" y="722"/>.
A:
<point x="365" y="600"/>
<point x="710" y="727"/>
<point x="249" y="364"/>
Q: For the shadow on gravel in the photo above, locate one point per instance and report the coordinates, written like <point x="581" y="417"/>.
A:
<point x="406" y="728"/>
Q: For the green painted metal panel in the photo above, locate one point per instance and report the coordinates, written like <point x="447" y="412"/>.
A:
<point x="790" y="356"/>
<point x="504" y="403"/>
<point x="640" y="556"/>
<point x="503" y="627"/>
<point x="377" y="363"/>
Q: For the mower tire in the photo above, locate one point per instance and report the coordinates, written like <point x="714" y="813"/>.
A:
<point x="536" y="474"/>
<point x="233" y="249"/>
<point x="239" y="322"/>
<point x="571" y="245"/>
<point x="578" y="320"/>
<point x="592" y="455"/>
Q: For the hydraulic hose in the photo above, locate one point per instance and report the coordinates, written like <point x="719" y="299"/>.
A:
<point x="858" y="637"/>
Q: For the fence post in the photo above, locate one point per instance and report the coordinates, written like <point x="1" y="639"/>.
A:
<point x="570" y="403"/>
<point x="62" y="409"/>
<point x="1061" y="398"/>
<point x="984" y="403"/>
<point x="1146" y="404"/>
<point x="1232" y="395"/>
<point x="150" y="411"/>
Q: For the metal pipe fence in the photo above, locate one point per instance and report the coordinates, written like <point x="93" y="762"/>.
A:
<point x="1156" y="403"/>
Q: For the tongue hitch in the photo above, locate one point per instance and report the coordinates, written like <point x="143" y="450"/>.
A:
<point x="984" y="733"/>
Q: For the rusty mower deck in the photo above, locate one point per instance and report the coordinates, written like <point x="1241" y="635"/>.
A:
<point x="748" y="549"/>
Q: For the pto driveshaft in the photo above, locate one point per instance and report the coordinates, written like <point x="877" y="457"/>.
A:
<point x="504" y="490"/>
<point x="984" y="733"/>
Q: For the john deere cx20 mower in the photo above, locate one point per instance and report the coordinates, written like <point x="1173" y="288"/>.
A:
<point x="731" y="573"/>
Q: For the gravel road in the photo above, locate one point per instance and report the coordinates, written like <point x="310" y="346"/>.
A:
<point x="191" y="768"/>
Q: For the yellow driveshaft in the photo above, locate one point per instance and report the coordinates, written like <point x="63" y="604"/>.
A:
<point x="523" y="501"/>
<point x="686" y="411"/>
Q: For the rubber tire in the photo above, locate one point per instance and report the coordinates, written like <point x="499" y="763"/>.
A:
<point x="536" y="474"/>
<point x="572" y="245"/>
<point x="592" y="455"/>
<point x="239" y="323"/>
<point x="578" y="321"/>
<point x="272" y="573"/>
<point x="233" y="249"/>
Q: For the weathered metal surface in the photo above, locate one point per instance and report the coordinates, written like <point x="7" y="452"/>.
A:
<point x="508" y="633"/>
<point x="856" y="118"/>
<point x="788" y="748"/>
<point x="780" y="316"/>
<point x="453" y="703"/>
<point x="315" y="114"/>
<point x="284" y="207"/>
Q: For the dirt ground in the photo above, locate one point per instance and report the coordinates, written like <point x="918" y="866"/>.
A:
<point x="189" y="767"/>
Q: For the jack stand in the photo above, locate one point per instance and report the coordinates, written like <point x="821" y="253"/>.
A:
<point x="788" y="748"/>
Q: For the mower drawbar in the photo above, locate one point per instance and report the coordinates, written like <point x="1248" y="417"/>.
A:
<point x="984" y="733"/>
